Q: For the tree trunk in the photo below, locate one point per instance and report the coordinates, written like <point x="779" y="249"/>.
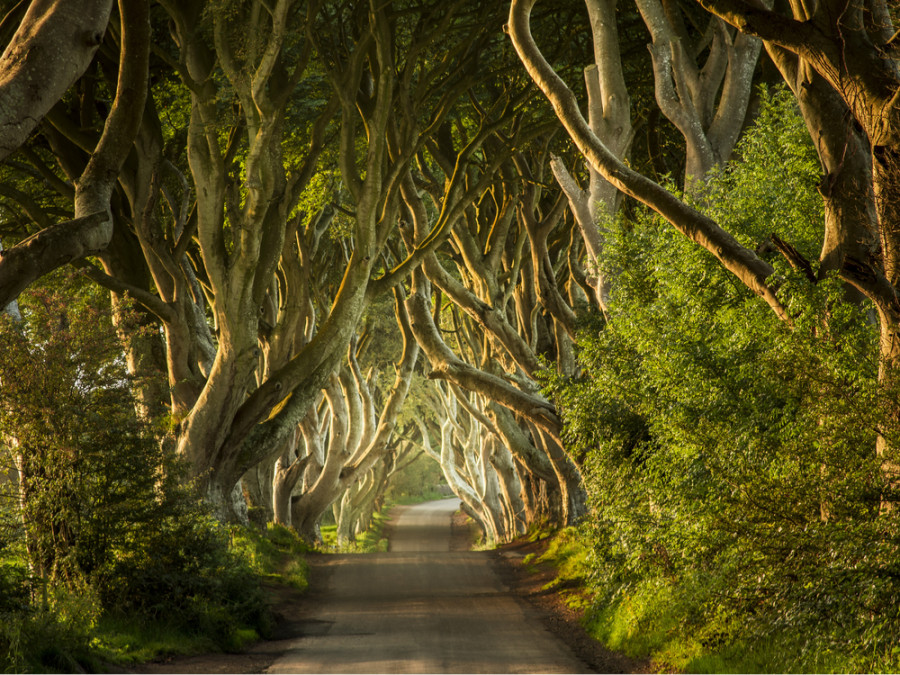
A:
<point x="35" y="55"/>
<point x="51" y="49"/>
<point x="511" y="487"/>
<point x="307" y="510"/>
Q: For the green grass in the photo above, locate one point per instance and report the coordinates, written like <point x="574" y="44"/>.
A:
<point x="673" y="626"/>
<point x="644" y="623"/>
<point x="128" y="640"/>
<point x="370" y="541"/>
<point x="276" y="555"/>
<point x="570" y="558"/>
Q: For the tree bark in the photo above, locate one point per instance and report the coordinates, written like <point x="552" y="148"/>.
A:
<point x="688" y="94"/>
<point x="740" y="261"/>
<point x="53" y="46"/>
<point x="35" y="53"/>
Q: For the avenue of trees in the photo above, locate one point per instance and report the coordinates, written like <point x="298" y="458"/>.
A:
<point x="630" y="267"/>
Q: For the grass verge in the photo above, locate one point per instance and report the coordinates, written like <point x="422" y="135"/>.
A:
<point x="679" y="628"/>
<point x="373" y="540"/>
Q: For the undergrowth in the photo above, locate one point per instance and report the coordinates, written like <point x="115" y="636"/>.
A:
<point x="735" y="488"/>
<point x="276" y="555"/>
<point x="373" y="540"/>
<point x="68" y="630"/>
<point x="669" y="622"/>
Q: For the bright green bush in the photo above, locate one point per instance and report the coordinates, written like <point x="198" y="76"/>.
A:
<point x="100" y="510"/>
<point x="730" y="458"/>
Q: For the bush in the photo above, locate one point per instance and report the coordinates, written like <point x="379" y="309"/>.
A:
<point x="101" y="509"/>
<point x="53" y="635"/>
<point x="730" y="458"/>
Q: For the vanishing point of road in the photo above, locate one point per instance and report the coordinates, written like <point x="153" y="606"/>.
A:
<point x="422" y="608"/>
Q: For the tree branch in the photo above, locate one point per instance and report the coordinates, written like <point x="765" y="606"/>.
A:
<point x="740" y="261"/>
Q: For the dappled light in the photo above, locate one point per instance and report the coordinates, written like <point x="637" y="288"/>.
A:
<point x="614" y="282"/>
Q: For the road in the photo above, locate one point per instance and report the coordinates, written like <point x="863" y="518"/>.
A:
<point x="422" y="608"/>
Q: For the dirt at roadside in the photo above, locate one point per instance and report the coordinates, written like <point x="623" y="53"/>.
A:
<point x="290" y="605"/>
<point x="559" y="618"/>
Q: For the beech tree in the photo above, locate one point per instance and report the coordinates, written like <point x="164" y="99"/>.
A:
<point x="240" y="387"/>
<point x="251" y="335"/>
<point x="54" y="44"/>
<point x="707" y="102"/>
<point x="357" y="442"/>
<point x="835" y="58"/>
<point x="834" y="49"/>
<point x="609" y="116"/>
<point x="495" y="317"/>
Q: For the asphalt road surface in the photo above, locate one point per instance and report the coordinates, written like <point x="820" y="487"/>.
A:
<point x="422" y="608"/>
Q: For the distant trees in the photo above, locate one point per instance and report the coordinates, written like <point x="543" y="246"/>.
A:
<point x="273" y="161"/>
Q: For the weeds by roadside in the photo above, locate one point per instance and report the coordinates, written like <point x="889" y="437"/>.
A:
<point x="69" y="631"/>
<point x="370" y="541"/>
<point x="669" y="622"/>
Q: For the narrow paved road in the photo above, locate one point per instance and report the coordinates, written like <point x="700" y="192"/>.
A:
<point x="422" y="608"/>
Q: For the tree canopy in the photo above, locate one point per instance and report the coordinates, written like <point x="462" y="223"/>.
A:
<point x="630" y="267"/>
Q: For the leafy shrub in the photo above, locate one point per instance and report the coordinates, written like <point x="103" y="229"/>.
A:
<point x="100" y="506"/>
<point x="730" y="459"/>
<point x="53" y="635"/>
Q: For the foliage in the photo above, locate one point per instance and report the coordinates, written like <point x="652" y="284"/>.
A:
<point x="730" y="458"/>
<point x="373" y="540"/>
<point x="83" y="463"/>
<point x="275" y="554"/>
<point x="53" y="636"/>
<point x="417" y="481"/>
<point x="100" y="519"/>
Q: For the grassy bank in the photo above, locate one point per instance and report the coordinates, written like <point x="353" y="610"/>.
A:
<point x="682" y="626"/>
<point x="373" y="540"/>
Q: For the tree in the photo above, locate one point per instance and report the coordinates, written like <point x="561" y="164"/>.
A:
<point x="836" y="61"/>
<point x="849" y="48"/>
<point x="697" y="407"/>
<point x="357" y="442"/>
<point x="34" y="55"/>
